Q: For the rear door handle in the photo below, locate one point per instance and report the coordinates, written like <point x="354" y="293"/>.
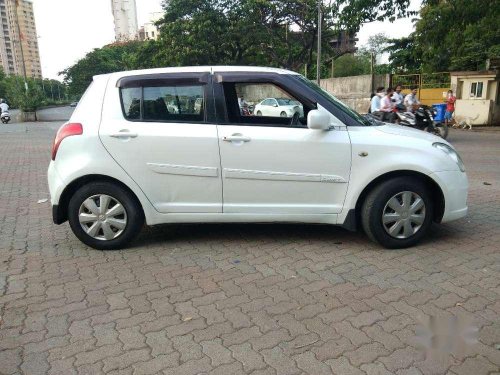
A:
<point x="237" y="138"/>
<point x="123" y="134"/>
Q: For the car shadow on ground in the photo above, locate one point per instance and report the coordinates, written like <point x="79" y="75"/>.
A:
<point x="260" y="234"/>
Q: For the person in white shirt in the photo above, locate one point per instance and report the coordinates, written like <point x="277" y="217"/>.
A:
<point x="4" y="107"/>
<point x="411" y="100"/>
<point x="397" y="97"/>
<point x="375" y="102"/>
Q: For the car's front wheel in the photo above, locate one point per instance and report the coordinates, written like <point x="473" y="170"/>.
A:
<point x="398" y="213"/>
<point x="104" y="215"/>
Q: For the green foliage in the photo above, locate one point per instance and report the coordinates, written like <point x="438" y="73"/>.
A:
<point x="112" y="58"/>
<point x="281" y="33"/>
<point x="450" y="35"/>
<point x="352" y="65"/>
<point x="376" y="44"/>
<point x="26" y="100"/>
<point x="40" y="92"/>
<point x="403" y="55"/>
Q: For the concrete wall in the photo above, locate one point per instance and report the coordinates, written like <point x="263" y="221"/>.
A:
<point x="355" y="91"/>
<point x="474" y="112"/>
<point x="255" y="93"/>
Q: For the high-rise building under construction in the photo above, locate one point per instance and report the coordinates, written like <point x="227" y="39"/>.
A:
<point x="19" y="52"/>
<point x="125" y="16"/>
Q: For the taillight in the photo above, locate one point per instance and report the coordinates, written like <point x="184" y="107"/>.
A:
<point x="67" y="130"/>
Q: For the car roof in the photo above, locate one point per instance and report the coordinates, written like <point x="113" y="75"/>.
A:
<point x="200" y="69"/>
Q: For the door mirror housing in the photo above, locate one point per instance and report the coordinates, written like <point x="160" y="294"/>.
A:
<point x="318" y="120"/>
<point x="275" y="105"/>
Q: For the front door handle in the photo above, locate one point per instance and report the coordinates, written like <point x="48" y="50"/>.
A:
<point x="123" y="134"/>
<point x="236" y="138"/>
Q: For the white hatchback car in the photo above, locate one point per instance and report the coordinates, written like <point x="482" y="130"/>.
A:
<point x="124" y="158"/>
<point x="274" y="107"/>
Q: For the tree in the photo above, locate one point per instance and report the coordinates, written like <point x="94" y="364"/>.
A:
<point x="281" y="33"/>
<point x="352" y="65"/>
<point x="375" y="45"/>
<point x="26" y="100"/>
<point x="264" y="32"/>
<point x="450" y="35"/>
<point x="403" y="55"/>
<point x="111" y="58"/>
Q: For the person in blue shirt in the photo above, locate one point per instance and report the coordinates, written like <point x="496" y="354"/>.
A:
<point x="376" y="100"/>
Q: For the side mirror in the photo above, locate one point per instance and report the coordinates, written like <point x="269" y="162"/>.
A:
<point x="275" y="105"/>
<point x="318" y="120"/>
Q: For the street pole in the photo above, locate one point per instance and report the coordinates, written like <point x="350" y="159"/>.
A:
<point x="372" y="71"/>
<point x="318" y="58"/>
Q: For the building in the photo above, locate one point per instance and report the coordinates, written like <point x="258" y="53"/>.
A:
<point x="149" y="30"/>
<point x="125" y="16"/>
<point x="18" y="39"/>
<point x="478" y="97"/>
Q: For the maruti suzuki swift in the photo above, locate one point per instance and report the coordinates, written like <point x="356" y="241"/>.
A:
<point x="182" y="145"/>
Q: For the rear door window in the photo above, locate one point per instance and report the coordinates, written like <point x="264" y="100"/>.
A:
<point x="174" y="103"/>
<point x="159" y="101"/>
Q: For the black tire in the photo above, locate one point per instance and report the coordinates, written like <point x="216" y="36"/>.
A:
<point x="375" y="202"/>
<point x="283" y="114"/>
<point x="259" y="113"/>
<point x="441" y="130"/>
<point x="133" y="210"/>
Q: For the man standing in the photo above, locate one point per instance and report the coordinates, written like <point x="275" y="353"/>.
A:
<point x="450" y="107"/>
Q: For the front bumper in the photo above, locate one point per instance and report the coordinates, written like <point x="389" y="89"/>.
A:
<point x="455" y="186"/>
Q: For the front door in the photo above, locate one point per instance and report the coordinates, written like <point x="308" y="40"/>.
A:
<point x="276" y="165"/>
<point x="161" y="137"/>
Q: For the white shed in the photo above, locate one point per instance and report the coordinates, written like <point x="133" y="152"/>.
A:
<point x="478" y="97"/>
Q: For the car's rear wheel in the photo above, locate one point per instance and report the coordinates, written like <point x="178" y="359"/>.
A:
<point x="283" y="114"/>
<point x="259" y="113"/>
<point x="398" y="213"/>
<point x="105" y="216"/>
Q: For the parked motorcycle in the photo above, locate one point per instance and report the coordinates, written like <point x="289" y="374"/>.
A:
<point x="5" y="117"/>
<point x="422" y="119"/>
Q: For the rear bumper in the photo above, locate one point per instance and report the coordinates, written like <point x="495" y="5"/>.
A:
<point x="455" y="186"/>
<point x="56" y="187"/>
<point x="57" y="216"/>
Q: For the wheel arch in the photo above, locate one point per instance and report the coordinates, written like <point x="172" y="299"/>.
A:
<point x="434" y="187"/>
<point x="61" y="213"/>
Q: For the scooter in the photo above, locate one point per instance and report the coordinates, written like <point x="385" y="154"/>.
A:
<point x="5" y="117"/>
<point x="422" y="119"/>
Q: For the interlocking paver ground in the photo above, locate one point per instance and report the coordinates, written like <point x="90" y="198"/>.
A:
<point x="228" y="299"/>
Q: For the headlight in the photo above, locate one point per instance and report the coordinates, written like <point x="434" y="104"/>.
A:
<point x="451" y="153"/>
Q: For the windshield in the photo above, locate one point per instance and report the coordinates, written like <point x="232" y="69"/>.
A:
<point x="337" y="103"/>
<point x="284" y="101"/>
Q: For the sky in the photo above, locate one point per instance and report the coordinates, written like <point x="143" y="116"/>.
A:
<point x="68" y="29"/>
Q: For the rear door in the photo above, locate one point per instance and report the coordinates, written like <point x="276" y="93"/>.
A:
<point x="160" y="131"/>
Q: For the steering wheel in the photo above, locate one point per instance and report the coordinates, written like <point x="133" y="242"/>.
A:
<point x="295" y="121"/>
